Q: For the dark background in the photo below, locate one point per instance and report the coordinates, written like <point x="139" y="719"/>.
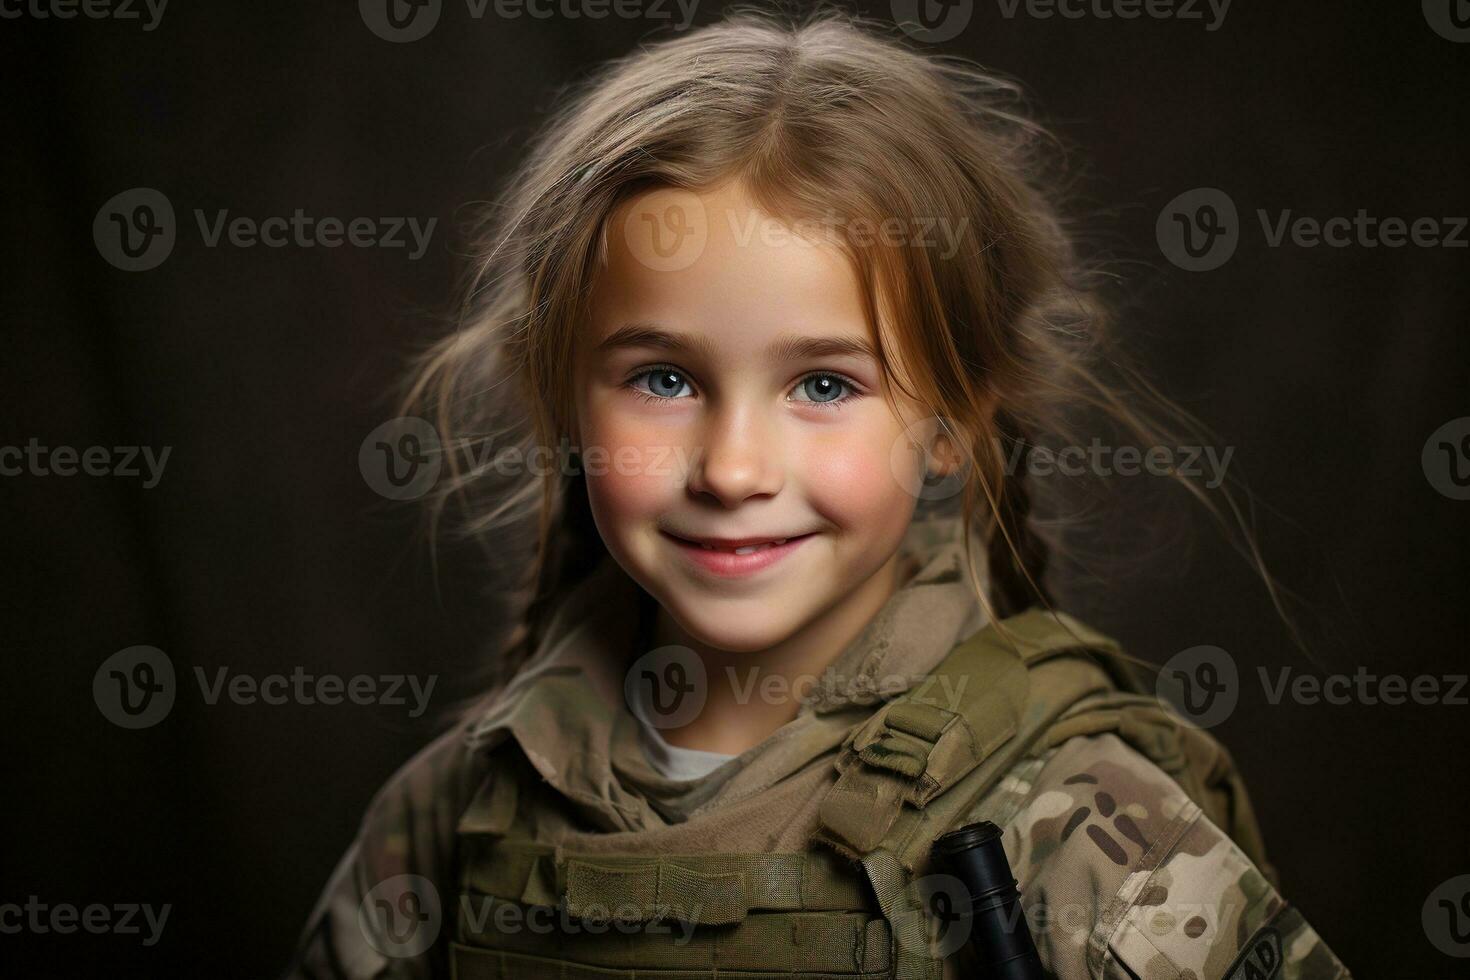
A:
<point x="263" y="549"/>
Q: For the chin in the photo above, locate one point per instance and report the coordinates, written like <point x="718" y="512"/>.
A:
<point x="736" y="629"/>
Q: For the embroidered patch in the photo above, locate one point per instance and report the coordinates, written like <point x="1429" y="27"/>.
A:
<point x="1260" y="960"/>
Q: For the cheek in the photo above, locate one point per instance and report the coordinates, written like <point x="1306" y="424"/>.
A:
<point x="632" y="468"/>
<point x="852" y="476"/>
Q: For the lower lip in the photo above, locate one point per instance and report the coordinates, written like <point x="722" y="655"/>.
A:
<point x="731" y="565"/>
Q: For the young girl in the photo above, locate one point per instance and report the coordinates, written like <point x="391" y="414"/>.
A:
<point x="794" y="299"/>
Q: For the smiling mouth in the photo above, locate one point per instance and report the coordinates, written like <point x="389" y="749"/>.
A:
<point x="745" y="549"/>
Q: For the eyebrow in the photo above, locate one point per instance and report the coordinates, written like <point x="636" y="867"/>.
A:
<point x="789" y="347"/>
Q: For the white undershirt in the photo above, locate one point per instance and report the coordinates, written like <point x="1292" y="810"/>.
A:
<point x="675" y="762"/>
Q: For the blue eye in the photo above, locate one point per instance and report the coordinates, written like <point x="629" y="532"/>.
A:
<point x="662" y="382"/>
<point x="824" y="389"/>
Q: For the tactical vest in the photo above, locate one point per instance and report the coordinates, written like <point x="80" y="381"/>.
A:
<point x="851" y="904"/>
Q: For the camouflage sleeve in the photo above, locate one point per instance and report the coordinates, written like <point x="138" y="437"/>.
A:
<point x="1123" y="877"/>
<point x="381" y="914"/>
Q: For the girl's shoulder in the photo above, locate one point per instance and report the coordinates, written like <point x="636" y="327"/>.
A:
<point x="1128" y="877"/>
<point x="413" y="817"/>
<point x="401" y="858"/>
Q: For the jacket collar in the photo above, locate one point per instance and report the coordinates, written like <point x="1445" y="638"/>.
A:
<point x="566" y="707"/>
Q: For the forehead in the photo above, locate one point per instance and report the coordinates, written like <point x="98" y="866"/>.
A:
<point x="713" y="265"/>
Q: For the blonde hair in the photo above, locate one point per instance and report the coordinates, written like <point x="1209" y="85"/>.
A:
<point x="820" y="114"/>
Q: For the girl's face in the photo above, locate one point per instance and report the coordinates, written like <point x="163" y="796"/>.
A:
<point x="726" y="393"/>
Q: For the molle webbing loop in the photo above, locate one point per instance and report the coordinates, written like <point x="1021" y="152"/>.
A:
<point x="824" y="946"/>
<point x="635" y="916"/>
<point x="651" y="890"/>
<point x="704" y="889"/>
<point x="708" y="889"/>
<point x="925" y="741"/>
<point x="903" y="907"/>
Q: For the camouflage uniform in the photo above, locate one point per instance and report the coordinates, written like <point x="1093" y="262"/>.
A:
<point x="1122" y="875"/>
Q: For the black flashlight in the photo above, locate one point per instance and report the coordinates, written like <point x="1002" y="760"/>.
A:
<point x="1000" y="939"/>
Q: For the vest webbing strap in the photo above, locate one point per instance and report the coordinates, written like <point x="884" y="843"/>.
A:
<point x="917" y="749"/>
<point x="925" y="741"/>
<point x="707" y="889"/>
<point x="785" y="945"/>
<point x="902" y="906"/>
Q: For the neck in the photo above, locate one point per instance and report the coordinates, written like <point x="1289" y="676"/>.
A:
<point x="753" y="693"/>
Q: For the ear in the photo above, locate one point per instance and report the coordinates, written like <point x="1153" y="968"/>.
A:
<point x="943" y="454"/>
<point x="946" y="450"/>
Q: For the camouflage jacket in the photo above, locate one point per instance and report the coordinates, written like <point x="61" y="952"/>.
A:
<point x="1122" y="875"/>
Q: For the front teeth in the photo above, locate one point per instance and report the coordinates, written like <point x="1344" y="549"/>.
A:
<point x="749" y="549"/>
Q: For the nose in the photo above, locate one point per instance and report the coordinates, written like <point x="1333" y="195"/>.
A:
<point x="737" y="458"/>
